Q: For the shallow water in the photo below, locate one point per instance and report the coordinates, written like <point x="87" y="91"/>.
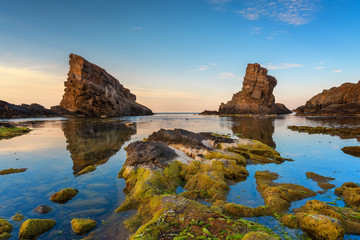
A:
<point x="57" y="149"/>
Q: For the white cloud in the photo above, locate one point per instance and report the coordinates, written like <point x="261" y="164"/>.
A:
<point x="255" y="30"/>
<point x="282" y="66"/>
<point x="319" y="68"/>
<point x="202" y="68"/>
<point x="295" y="12"/>
<point x="338" y="71"/>
<point x="224" y="75"/>
<point x="137" y="28"/>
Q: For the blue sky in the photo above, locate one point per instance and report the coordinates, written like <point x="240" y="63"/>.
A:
<point x="179" y="55"/>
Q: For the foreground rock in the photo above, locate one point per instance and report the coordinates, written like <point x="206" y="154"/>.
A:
<point x="256" y="96"/>
<point x="5" y="229"/>
<point x="32" y="228"/>
<point x="9" y="131"/>
<point x="82" y="225"/>
<point x="205" y="167"/>
<point x="64" y="195"/>
<point x="351" y="193"/>
<point x="12" y="170"/>
<point x="91" y="91"/>
<point x="42" y="209"/>
<point x="353" y="150"/>
<point x="343" y="100"/>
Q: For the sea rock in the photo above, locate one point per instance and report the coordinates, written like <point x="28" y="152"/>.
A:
<point x="91" y="91"/>
<point x="42" y="209"/>
<point x="8" y="110"/>
<point x="343" y="100"/>
<point x="12" y="170"/>
<point x="352" y="150"/>
<point x="5" y="229"/>
<point x="209" y="112"/>
<point x="256" y="96"/>
<point x="82" y="225"/>
<point x="32" y="228"/>
<point x="351" y="193"/>
<point x="64" y="195"/>
<point x="17" y="217"/>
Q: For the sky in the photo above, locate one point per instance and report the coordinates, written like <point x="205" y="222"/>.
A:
<point x="179" y="55"/>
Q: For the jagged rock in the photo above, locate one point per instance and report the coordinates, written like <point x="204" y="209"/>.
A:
<point x="256" y="96"/>
<point x="209" y="112"/>
<point x="343" y="100"/>
<point x="91" y="91"/>
<point x="8" y="110"/>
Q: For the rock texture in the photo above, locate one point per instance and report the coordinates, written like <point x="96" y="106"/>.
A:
<point x="8" y="110"/>
<point x="256" y="96"/>
<point x="343" y="100"/>
<point x="91" y="91"/>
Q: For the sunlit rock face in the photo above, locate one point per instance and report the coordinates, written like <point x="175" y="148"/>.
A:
<point x="343" y="100"/>
<point x="91" y="91"/>
<point x="256" y="96"/>
<point x="94" y="142"/>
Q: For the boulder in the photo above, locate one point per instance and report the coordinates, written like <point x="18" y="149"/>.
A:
<point x="32" y="228"/>
<point x="8" y="110"/>
<point x="64" y="195"/>
<point x="91" y="91"/>
<point x="343" y="100"/>
<point x="256" y="96"/>
<point x="42" y="209"/>
<point x="82" y="225"/>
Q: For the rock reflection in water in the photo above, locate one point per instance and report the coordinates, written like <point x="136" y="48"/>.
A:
<point x="93" y="142"/>
<point x="260" y="129"/>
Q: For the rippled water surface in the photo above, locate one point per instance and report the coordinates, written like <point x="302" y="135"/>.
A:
<point x="58" y="149"/>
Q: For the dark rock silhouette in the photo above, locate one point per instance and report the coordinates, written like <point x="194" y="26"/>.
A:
<point x="8" y="110"/>
<point x="93" y="142"/>
<point x="91" y="91"/>
<point x="256" y="96"/>
<point x="343" y="100"/>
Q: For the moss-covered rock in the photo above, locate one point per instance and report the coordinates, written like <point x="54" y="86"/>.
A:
<point x="33" y="228"/>
<point x="87" y="170"/>
<point x="5" y="229"/>
<point x="82" y="225"/>
<point x="9" y="132"/>
<point x="351" y="193"/>
<point x="323" y="182"/>
<point x="354" y="151"/>
<point x="64" y="195"/>
<point x="259" y="236"/>
<point x="342" y="132"/>
<point x="18" y="217"/>
<point x="12" y="170"/>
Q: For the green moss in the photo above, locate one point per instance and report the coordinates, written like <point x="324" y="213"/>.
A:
<point x="32" y="228"/>
<point x="5" y="229"/>
<point x="87" y="170"/>
<point x="18" y="217"/>
<point x="231" y="156"/>
<point x="64" y="195"/>
<point x="351" y="193"/>
<point x="82" y="225"/>
<point x="12" y="170"/>
<point x="8" y="132"/>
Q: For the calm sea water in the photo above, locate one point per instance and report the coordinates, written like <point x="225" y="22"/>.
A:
<point x="57" y="149"/>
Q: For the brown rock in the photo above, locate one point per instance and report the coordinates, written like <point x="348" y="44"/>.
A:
<point x="353" y="150"/>
<point x="8" y="110"/>
<point x="91" y="91"/>
<point x="343" y="100"/>
<point x="256" y="96"/>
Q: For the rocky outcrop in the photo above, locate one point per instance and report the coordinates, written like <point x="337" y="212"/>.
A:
<point x="256" y="96"/>
<point x="91" y="91"/>
<point x="343" y="100"/>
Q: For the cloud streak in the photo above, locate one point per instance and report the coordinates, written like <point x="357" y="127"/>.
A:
<point x="338" y="71"/>
<point x="282" y="66"/>
<point x="293" y="12"/>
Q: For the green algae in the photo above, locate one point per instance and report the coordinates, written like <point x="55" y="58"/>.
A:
<point x="82" y="225"/>
<point x="5" y="229"/>
<point x="87" y="170"/>
<point x="32" y="228"/>
<point x="351" y="193"/>
<point x="64" y="195"/>
<point x="9" y="132"/>
<point x="18" y="217"/>
<point x="12" y="170"/>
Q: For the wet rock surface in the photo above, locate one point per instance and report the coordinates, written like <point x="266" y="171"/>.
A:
<point x="351" y="193"/>
<point x="323" y="182"/>
<point x="353" y="150"/>
<point x="32" y="228"/>
<point x="256" y="96"/>
<point x="91" y="91"/>
<point x="42" y="209"/>
<point x="343" y="100"/>
<point x="82" y="225"/>
<point x="9" y="131"/>
<point x="64" y="195"/>
<point x="12" y="170"/>
<point x="5" y="229"/>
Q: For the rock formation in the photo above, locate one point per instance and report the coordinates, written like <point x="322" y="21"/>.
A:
<point x="91" y="91"/>
<point x="343" y="100"/>
<point x="256" y="96"/>
<point x="8" y="110"/>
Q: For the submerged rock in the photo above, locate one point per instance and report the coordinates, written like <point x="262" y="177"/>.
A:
<point x="32" y="228"/>
<point x="256" y="96"/>
<point x="82" y="225"/>
<point x="343" y="100"/>
<point x="91" y="91"/>
<point x="5" y="229"/>
<point x="42" y="209"/>
<point x="64" y="195"/>
<point x="351" y="193"/>
<point x="9" y="131"/>
<point x="17" y="217"/>
<point x="12" y="170"/>
<point x="354" y="150"/>
<point x="87" y="170"/>
<point x="322" y="181"/>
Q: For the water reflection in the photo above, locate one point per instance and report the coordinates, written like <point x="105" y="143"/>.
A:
<point x="260" y="129"/>
<point x="94" y="142"/>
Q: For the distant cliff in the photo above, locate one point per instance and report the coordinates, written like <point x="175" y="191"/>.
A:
<point x="343" y="100"/>
<point x="91" y="91"/>
<point x="256" y="96"/>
